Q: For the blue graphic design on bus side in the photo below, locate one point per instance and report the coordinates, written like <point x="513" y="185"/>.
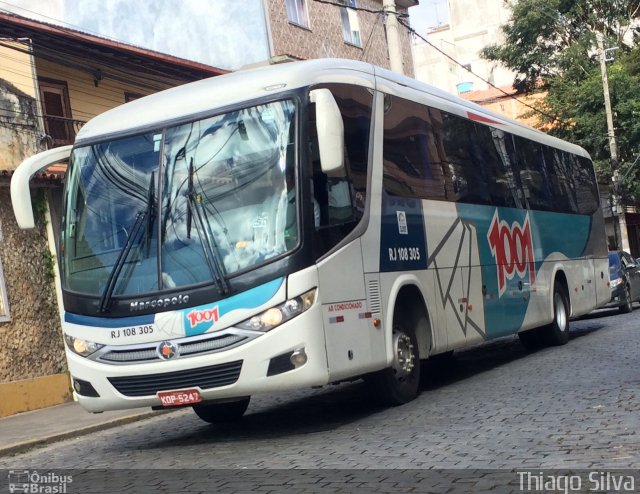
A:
<point x="513" y="244"/>
<point x="198" y="320"/>
<point x="402" y="235"/>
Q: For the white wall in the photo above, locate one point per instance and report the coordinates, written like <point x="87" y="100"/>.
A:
<point x="473" y="24"/>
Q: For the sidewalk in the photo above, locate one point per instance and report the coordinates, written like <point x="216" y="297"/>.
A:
<point x="26" y="430"/>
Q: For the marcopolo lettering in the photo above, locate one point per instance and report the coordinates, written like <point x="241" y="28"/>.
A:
<point x="159" y="303"/>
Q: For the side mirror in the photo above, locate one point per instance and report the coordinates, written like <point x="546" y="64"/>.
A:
<point x="20" y="192"/>
<point x="330" y="129"/>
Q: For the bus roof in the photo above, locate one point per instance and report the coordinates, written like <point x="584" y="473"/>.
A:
<point x="201" y="98"/>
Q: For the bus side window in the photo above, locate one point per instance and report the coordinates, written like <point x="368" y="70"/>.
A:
<point x="468" y="173"/>
<point x="341" y="199"/>
<point x="530" y="165"/>
<point x="413" y="153"/>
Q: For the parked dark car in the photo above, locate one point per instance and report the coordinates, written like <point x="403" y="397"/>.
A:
<point x="624" y="280"/>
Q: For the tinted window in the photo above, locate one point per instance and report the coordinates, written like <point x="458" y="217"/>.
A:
<point x="533" y="174"/>
<point x="412" y="152"/>
<point x="467" y="169"/>
<point x="339" y="202"/>
<point x="561" y="181"/>
<point x="487" y="150"/>
<point x="585" y="185"/>
<point x="432" y="154"/>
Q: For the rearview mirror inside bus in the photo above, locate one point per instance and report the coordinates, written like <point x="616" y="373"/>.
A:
<point x="330" y="130"/>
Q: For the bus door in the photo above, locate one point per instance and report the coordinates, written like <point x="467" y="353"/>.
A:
<point x="354" y="345"/>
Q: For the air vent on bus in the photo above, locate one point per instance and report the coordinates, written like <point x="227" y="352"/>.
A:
<point x="186" y="347"/>
<point x="204" y="377"/>
<point x="373" y="296"/>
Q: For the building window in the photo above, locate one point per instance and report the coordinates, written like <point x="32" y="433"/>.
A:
<point x="297" y="12"/>
<point x="54" y="96"/>
<point x="350" y="24"/>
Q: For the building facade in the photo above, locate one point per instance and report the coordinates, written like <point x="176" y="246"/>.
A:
<point x="52" y="80"/>
<point x="473" y="24"/>
<point x="304" y="29"/>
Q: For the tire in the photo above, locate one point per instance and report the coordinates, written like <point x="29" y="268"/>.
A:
<point x="400" y="383"/>
<point x="557" y="333"/>
<point x="627" y="304"/>
<point x="220" y="413"/>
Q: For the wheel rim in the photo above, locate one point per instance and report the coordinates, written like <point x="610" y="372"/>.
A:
<point x="561" y="312"/>
<point x="403" y="355"/>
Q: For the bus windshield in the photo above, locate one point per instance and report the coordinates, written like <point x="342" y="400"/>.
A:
<point x="186" y="205"/>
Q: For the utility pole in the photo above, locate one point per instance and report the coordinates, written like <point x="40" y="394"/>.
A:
<point x="393" y="36"/>
<point x="618" y="216"/>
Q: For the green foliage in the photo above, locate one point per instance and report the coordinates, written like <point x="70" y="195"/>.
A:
<point x="49" y="264"/>
<point x="552" y="45"/>
<point x="39" y="203"/>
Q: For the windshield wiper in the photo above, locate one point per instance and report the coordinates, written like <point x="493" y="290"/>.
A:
<point x="147" y="214"/>
<point x="209" y="246"/>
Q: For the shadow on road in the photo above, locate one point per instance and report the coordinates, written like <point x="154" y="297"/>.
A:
<point x="333" y="407"/>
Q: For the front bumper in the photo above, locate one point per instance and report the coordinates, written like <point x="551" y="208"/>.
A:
<point x="236" y="372"/>
<point x="617" y="296"/>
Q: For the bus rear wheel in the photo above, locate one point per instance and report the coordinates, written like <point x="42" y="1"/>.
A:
<point x="557" y="333"/>
<point x="400" y="383"/>
<point x="220" y="413"/>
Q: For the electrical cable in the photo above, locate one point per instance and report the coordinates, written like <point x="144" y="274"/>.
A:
<point x="548" y="115"/>
<point x="366" y="47"/>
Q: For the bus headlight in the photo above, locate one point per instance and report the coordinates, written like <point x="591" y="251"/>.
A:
<point x="275" y="316"/>
<point x="616" y="282"/>
<point x="82" y="347"/>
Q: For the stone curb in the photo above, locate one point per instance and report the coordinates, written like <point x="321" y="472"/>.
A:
<point x="22" y="447"/>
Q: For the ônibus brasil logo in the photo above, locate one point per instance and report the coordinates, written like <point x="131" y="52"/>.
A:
<point x="512" y="247"/>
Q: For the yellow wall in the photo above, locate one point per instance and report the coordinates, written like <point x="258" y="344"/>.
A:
<point x="32" y="394"/>
<point x="87" y="99"/>
<point x="16" y="67"/>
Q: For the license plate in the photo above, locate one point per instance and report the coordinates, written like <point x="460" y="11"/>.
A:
<point x="179" y="398"/>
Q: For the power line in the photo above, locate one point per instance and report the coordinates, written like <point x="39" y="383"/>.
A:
<point x="366" y="47"/>
<point x="362" y="9"/>
<point x="548" y="115"/>
<point x="64" y="60"/>
<point x="99" y="100"/>
<point x="60" y="22"/>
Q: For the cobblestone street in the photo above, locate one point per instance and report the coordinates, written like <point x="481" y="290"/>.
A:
<point x="495" y="406"/>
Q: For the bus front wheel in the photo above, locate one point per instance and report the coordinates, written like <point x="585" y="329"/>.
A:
<point x="400" y="383"/>
<point x="218" y="413"/>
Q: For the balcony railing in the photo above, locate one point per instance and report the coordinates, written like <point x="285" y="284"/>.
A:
<point x="61" y="130"/>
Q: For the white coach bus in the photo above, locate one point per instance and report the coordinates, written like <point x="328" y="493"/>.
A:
<point x="308" y="223"/>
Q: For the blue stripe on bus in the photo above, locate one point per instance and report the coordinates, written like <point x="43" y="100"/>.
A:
<point x="106" y="322"/>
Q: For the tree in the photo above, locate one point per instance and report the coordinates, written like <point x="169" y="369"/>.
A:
<point x="551" y="45"/>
